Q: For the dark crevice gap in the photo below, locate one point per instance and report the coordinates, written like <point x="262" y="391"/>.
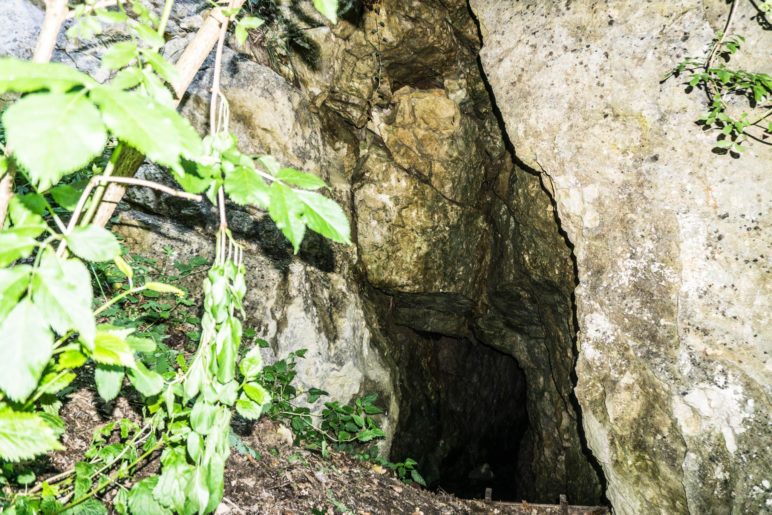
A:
<point x="569" y="245"/>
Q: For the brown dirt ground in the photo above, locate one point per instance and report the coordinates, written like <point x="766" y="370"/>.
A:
<point x="287" y="479"/>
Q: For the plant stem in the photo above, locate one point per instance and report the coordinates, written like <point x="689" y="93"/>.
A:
<point x="118" y="298"/>
<point x="165" y="17"/>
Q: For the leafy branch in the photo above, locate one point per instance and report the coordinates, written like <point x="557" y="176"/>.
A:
<point x="721" y="84"/>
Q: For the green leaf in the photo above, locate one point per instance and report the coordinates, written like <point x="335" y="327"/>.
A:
<point x="61" y="290"/>
<point x="142" y="501"/>
<point x="26" y="76"/>
<point x="141" y="344"/>
<point x="257" y="393"/>
<point x="244" y="186"/>
<point x="147" y="382"/>
<point x="119" y="55"/>
<point x="127" y="78"/>
<point x="162" y="67"/>
<point x="202" y="416"/>
<point x="176" y="474"/>
<point x="54" y="382"/>
<point x="14" y="246"/>
<point x="37" y="125"/>
<point x="270" y="164"/>
<point x="300" y="179"/>
<point x="25" y="435"/>
<point x="93" y="243"/>
<point x="418" y="478"/>
<point x="149" y="36"/>
<point x="248" y="409"/>
<point x="71" y="359"/>
<point x="109" y="379"/>
<point x="286" y="210"/>
<point x="89" y="507"/>
<point x="27" y="345"/>
<point x="25" y="221"/>
<point x="244" y="24"/>
<point x="157" y="131"/>
<point x="325" y="216"/>
<point x="13" y="284"/>
<point x="251" y="364"/>
<point x="124" y="267"/>
<point x="66" y="196"/>
<point x="329" y="8"/>
<point x="163" y="288"/>
<point x="110" y="348"/>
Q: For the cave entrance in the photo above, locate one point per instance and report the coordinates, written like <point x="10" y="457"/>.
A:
<point x="463" y="416"/>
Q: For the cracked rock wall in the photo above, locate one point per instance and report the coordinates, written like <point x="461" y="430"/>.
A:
<point x="672" y="241"/>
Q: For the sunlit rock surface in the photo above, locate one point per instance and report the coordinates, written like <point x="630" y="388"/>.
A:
<point x="672" y="241"/>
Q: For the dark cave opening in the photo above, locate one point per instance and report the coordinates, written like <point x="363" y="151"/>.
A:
<point x="464" y="417"/>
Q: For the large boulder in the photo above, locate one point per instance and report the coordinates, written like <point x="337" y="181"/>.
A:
<point x="671" y="242"/>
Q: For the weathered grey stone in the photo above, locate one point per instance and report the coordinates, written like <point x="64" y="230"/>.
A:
<point x="20" y="23"/>
<point x="673" y="300"/>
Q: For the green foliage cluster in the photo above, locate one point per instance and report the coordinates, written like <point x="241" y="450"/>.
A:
<point x="50" y="318"/>
<point x="723" y="86"/>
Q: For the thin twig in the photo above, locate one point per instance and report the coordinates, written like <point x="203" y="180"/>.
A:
<point x="131" y="181"/>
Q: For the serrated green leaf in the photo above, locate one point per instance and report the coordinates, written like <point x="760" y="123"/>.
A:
<point x="93" y="243"/>
<point x="119" y="55"/>
<point x="25" y="221"/>
<point x="141" y="344"/>
<point x="127" y="78"/>
<point x="245" y="24"/>
<point x="257" y="393"/>
<point x="71" y="359"/>
<point x="202" y="416"/>
<point x="325" y="216"/>
<point x="37" y="125"/>
<point x="25" y="76"/>
<point x="149" y="36"/>
<point x="14" y="246"/>
<point x="66" y="195"/>
<point x="162" y="67"/>
<point x="27" y="345"/>
<point x="61" y="290"/>
<point x="147" y="382"/>
<point x="25" y="435"/>
<point x="109" y="379"/>
<point x="142" y="501"/>
<point x="13" y="284"/>
<point x="244" y="186"/>
<point x="300" y="179"/>
<point x="328" y="8"/>
<point x="270" y="164"/>
<point x="89" y="507"/>
<point x="251" y="364"/>
<point x="157" y="131"/>
<point x="54" y="382"/>
<point x="248" y="408"/>
<point x="176" y="474"/>
<point x="286" y="210"/>
<point x="110" y="348"/>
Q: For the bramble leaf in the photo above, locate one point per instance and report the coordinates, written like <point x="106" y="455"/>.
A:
<point x="93" y="243"/>
<point x="38" y="124"/>
<point x="244" y="186"/>
<point x="109" y="379"/>
<point x="300" y="179"/>
<point x="61" y="290"/>
<point x="25" y="435"/>
<point x="325" y="216"/>
<point x="13" y="284"/>
<point x="156" y="130"/>
<point x="27" y="345"/>
<point x="26" y="76"/>
<point x="286" y="210"/>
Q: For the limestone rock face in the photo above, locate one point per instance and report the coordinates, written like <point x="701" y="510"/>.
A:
<point x="671" y="242"/>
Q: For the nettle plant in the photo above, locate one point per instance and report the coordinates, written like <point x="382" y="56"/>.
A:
<point x="64" y="122"/>
<point x="725" y="87"/>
